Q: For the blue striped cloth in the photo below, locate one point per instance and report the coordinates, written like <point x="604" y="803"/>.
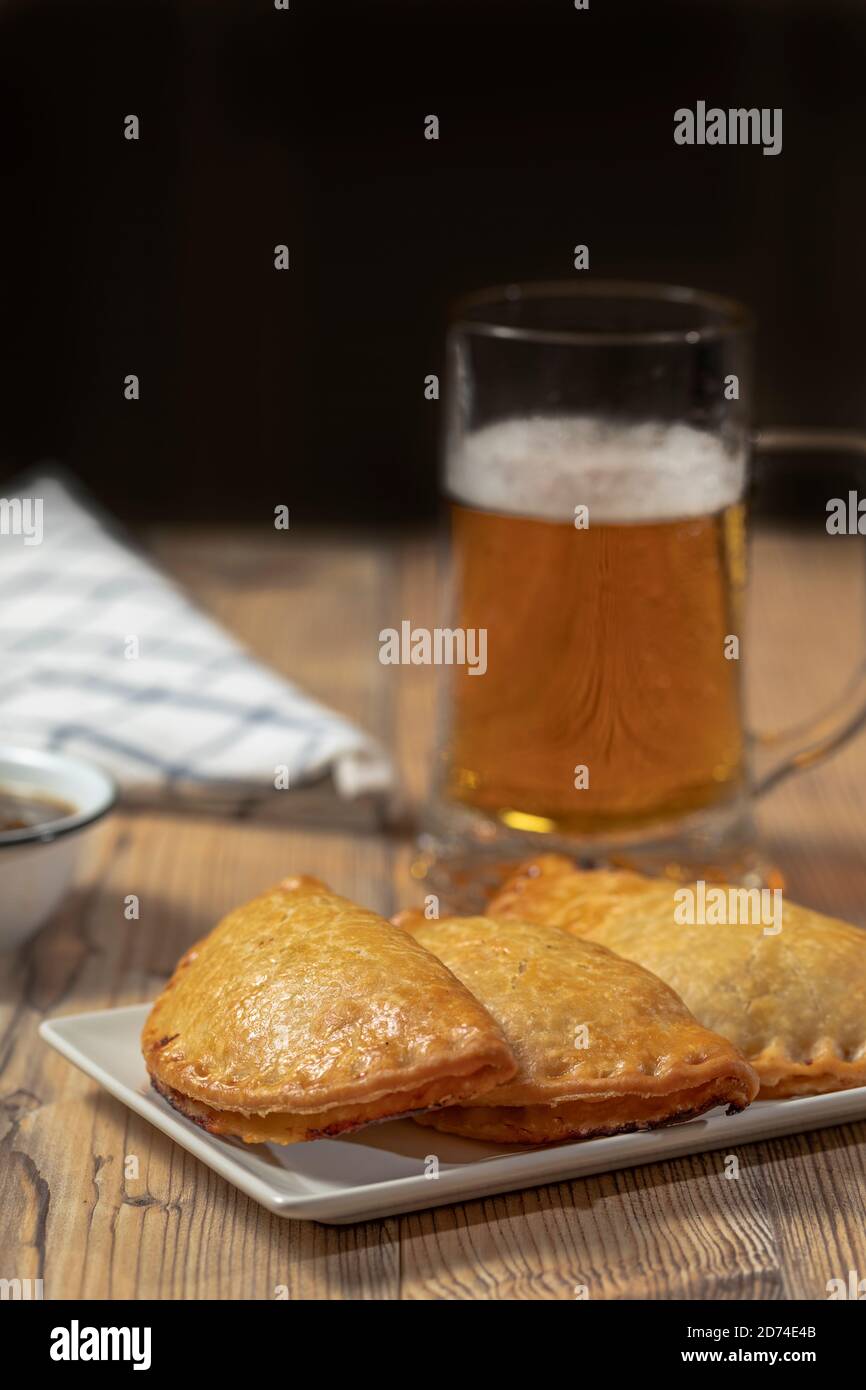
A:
<point x="101" y="655"/>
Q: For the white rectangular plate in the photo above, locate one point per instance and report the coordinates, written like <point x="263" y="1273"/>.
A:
<point x="381" y="1170"/>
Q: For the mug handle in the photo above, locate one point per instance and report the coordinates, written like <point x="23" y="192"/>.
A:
<point x="778" y="754"/>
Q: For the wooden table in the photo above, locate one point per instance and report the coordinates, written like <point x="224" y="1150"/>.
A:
<point x="69" y="1212"/>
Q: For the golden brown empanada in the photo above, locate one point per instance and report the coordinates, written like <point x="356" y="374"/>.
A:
<point x="302" y="1016"/>
<point x="793" y="1001"/>
<point x="602" y="1046"/>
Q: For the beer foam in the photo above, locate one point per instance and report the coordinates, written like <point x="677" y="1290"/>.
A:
<point x="544" y="466"/>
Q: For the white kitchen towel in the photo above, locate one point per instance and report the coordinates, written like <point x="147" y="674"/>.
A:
<point x="103" y="656"/>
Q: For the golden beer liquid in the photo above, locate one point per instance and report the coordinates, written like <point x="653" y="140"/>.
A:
<point x="606" y="649"/>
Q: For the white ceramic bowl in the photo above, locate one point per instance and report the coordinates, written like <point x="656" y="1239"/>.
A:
<point x="37" y="865"/>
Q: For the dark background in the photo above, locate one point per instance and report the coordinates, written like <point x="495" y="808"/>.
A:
<point x="306" y="127"/>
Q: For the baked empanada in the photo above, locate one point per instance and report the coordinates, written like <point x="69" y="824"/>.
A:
<point x="794" y="1001"/>
<point x="303" y="1016"/>
<point x="602" y="1046"/>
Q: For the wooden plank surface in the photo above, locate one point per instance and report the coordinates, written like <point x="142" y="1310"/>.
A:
<point x="100" y="1205"/>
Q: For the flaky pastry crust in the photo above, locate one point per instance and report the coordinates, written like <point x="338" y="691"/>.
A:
<point x="302" y="1014"/>
<point x="602" y="1045"/>
<point x="793" y="1002"/>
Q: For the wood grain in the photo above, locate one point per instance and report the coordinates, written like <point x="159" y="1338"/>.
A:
<point x="100" y="1205"/>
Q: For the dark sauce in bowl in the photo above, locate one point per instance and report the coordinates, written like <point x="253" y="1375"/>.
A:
<point x="25" y="810"/>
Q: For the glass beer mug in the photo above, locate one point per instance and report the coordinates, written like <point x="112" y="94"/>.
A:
<point x="597" y="462"/>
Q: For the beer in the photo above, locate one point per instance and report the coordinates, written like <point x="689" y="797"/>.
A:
<point x="610" y="700"/>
